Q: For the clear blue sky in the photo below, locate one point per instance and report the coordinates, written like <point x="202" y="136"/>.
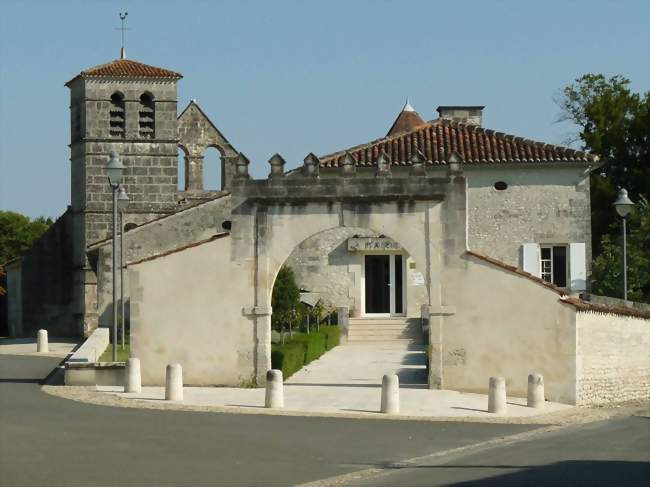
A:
<point x="295" y="77"/>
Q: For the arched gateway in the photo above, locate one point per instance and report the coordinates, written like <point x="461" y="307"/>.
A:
<point x="269" y="219"/>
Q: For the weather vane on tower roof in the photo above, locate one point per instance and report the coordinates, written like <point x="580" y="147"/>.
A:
<point x="123" y="29"/>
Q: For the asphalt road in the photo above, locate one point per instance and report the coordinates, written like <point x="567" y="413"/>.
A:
<point x="49" y="441"/>
<point x="607" y="453"/>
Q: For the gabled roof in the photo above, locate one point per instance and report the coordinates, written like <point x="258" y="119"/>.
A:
<point x="437" y="139"/>
<point x="126" y="68"/>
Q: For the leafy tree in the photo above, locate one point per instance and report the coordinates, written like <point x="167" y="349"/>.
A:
<point x="608" y="266"/>
<point x="285" y="300"/>
<point x="2" y="290"/>
<point x="18" y="233"/>
<point x="614" y="123"/>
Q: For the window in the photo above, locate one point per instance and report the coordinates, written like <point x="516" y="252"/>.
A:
<point x="147" y="119"/>
<point x="500" y="185"/>
<point x="553" y="264"/>
<point x="116" y="115"/>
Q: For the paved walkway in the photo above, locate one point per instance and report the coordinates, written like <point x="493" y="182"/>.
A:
<point x="58" y="347"/>
<point x="347" y="380"/>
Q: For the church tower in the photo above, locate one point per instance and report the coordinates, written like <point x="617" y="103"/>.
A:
<point x="130" y="108"/>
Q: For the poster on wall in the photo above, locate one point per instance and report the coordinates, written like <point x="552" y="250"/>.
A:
<point x="417" y="279"/>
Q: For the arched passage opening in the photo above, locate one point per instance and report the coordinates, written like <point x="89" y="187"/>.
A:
<point x="372" y="289"/>
<point x="212" y="169"/>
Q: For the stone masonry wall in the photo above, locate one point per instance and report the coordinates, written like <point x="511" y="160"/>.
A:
<point x="183" y="228"/>
<point x="613" y="358"/>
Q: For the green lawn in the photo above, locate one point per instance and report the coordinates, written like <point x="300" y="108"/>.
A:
<point x="122" y="355"/>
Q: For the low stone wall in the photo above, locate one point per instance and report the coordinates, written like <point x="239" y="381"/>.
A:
<point x="82" y="368"/>
<point x="613" y="358"/>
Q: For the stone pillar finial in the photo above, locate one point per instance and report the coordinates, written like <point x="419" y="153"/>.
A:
<point x="241" y="167"/>
<point x="418" y="160"/>
<point x="383" y="164"/>
<point x="349" y="165"/>
<point x="311" y="166"/>
<point x="455" y="164"/>
<point x="277" y="166"/>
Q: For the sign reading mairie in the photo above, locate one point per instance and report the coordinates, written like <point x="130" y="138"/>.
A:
<point x="368" y="244"/>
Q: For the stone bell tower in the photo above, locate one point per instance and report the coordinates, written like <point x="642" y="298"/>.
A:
<point x="127" y="107"/>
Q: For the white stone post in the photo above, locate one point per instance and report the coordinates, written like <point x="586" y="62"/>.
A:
<point x="390" y="394"/>
<point x="497" y="395"/>
<point x="274" y="397"/>
<point x="41" y="342"/>
<point x="174" y="383"/>
<point x="535" y="391"/>
<point x="133" y="377"/>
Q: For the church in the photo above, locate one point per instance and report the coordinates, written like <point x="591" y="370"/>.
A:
<point x="480" y="238"/>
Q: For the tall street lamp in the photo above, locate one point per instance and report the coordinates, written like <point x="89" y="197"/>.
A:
<point x="122" y="204"/>
<point x="114" y="169"/>
<point x="623" y="206"/>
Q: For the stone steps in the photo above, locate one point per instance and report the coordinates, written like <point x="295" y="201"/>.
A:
<point x="384" y="329"/>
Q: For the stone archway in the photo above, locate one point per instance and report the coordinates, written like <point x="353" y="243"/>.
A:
<point x="272" y="217"/>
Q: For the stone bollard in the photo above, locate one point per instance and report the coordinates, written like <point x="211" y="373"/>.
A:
<point x="133" y="378"/>
<point x="41" y="342"/>
<point x="174" y="383"/>
<point x="535" y="391"/>
<point x="274" y="389"/>
<point x="497" y="395"/>
<point x="390" y="394"/>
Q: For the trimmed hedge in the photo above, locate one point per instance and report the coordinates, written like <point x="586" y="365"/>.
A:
<point x="333" y="336"/>
<point x="303" y="348"/>
<point x="289" y="358"/>
<point x="314" y="344"/>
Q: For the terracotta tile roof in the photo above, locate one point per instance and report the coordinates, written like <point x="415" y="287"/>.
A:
<point x="605" y="308"/>
<point x="127" y="68"/>
<point x="437" y="139"/>
<point x="577" y="303"/>
<point x="406" y="121"/>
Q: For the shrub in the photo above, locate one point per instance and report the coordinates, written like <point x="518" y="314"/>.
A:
<point x="288" y="358"/>
<point x="314" y="344"/>
<point x="333" y="336"/>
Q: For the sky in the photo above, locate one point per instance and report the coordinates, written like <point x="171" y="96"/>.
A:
<point x="305" y="76"/>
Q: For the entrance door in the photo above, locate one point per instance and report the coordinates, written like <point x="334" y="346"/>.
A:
<point x="383" y="275"/>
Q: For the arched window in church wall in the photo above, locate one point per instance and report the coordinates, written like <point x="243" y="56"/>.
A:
<point x="181" y="170"/>
<point x="212" y="169"/>
<point x="147" y="117"/>
<point x="116" y="115"/>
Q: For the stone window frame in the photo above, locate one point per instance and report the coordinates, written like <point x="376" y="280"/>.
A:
<point x="117" y="115"/>
<point x="147" y="116"/>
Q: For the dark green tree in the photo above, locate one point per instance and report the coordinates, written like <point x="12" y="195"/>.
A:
<point x="607" y="275"/>
<point x="614" y="123"/>
<point x="18" y="233"/>
<point x="285" y="300"/>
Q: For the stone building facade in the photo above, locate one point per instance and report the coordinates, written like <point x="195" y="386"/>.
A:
<point x="471" y="232"/>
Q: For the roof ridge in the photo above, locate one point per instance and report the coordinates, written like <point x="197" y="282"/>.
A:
<point x="475" y="143"/>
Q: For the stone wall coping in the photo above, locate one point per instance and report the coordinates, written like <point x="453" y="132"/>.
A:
<point x="95" y="365"/>
<point x="179" y="249"/>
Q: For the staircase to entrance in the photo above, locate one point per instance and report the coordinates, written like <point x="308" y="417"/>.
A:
<point x="385" y="329"/>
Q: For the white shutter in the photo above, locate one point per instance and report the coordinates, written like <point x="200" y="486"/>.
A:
<point x="530" y="258"/>
<point x="577" y="267"/>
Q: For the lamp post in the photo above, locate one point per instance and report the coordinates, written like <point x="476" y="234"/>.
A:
<point x="623" y="206"/>
<point x="122" y="204"/>
<point x="114" y="169"/>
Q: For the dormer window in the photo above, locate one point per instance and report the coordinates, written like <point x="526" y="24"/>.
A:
<point x="116" y="117"/>
<point x="147" y="119"/>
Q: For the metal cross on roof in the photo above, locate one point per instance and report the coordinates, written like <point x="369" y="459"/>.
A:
<point x="123" y="29"/>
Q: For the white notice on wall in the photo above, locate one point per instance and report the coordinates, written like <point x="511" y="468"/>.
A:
<point x="417" y="279"/>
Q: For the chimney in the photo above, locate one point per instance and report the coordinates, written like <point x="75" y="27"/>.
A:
<point x="469" y="115"/>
